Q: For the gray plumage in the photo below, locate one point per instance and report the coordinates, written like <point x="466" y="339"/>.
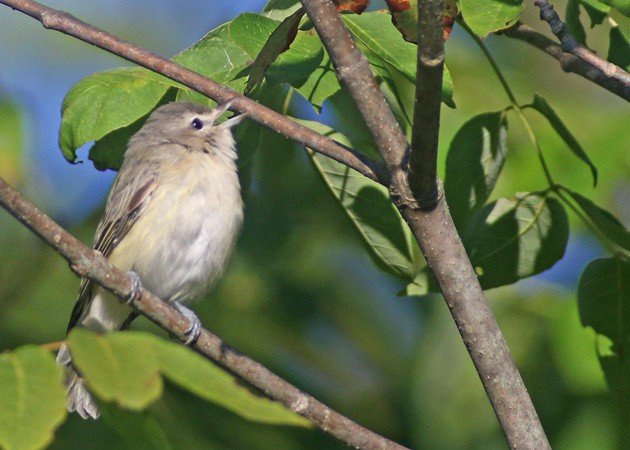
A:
<point x="172" y="217"/>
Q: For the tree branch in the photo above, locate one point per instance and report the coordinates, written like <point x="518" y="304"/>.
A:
<point x="435" y="232"/>
<point x="91" y="264"/>
<point x="571" y="45"/>
<point x="67" y="24"/>
<point x="568" y="62"/>
<point x="426" y="113"/>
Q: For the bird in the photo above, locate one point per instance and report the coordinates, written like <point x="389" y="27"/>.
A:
<point x="171" y="219"/>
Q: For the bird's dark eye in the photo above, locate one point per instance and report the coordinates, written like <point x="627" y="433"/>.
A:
<point x="197" y="123"/>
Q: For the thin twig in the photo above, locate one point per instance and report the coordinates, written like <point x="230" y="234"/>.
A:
<point x="435" y="232"/>
<point x="91" y="264"/>
<point x="426" y="113"/>
<point x="568" y="62"/>
<point x="70" y="25"/>
<point x="571" y="45"/>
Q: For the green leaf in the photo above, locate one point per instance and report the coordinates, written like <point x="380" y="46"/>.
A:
<point x="487" y="16"/>
<point x="11" y="140"/>
<point x="596" y="10"/>
<point x="572" y="20"/>
<point x="619" y="48"/>
<point x="118" y="367"/>
<point x="541" y="105"/>
<point x="473" y="164"/>
<point x="368" y="205"/>
<point x="32" y="398"/>
<point x="321" y="84"/>
<point x="107" y="101"/>
<point x="116" y="100"/>
<point x="138" y="429"/>
<point x="608" y="224"/>
<point x="195" y="374"/>
<point x="299" y="62"/>
<point x="278" y="42"/>
<point x="126" y="368"/>
<point x="604" y="300"/>
<point x="380" y="41"/>
<point x="623" y="6"/>
<point x="516" y="238"/>
<point x="279" y="9"/>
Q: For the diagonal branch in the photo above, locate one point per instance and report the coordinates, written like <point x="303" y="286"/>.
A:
<point x="571" y="45"/>
<point x="435" y="232"/>
<point x="426" y="113"/>
<point x="67" y="24"/>
<point x="569" y="62"/>
<point x="91" y="264"/>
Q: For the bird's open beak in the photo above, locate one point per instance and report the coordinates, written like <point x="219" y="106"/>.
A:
<point x="232" y="121"/>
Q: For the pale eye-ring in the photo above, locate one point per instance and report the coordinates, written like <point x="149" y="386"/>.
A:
<point x="197" y="123"/>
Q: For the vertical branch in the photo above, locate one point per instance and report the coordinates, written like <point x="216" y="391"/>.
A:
<point x="426" y="113"/>
<point x="354" y="71"/>
<point x="436" y="234"/>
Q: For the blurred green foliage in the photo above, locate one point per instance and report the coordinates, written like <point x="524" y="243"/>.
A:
<point x="303" y="297"/>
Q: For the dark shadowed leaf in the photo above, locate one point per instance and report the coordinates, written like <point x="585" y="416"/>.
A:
<point x="572" y="20"/>
<point x="604" y="299"/>
<point x="541" y="105"/>
<point x="475" y="159"/>
<point x="32" y="398"/>
<point x="619" y="48"/>
<point x="279" y="41"/>
<point x="138" y="429"/>
<point x="368" y="205"/>
<point x="516" y="238"/>
<point x="608" y="224"/>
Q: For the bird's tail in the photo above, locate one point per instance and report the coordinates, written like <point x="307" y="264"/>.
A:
<point x="79" y="399"/>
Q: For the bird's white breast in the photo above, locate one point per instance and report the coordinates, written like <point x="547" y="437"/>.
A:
<point x="184" y="237"/>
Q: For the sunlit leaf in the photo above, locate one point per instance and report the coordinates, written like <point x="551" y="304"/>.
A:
<point x="118" y="367"/>
<point x="487" y="16"/>
<point x="204" y="379"/>
<point x="32" y="398"/>
<point x="127" y="368"/>
<point x="107" y="101"/>
<point x="380" y="41"/>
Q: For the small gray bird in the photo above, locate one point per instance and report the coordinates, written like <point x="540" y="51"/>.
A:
<point x="171" y="219"/>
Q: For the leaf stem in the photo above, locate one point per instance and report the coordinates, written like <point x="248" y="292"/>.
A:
<point x="514" y="103"/>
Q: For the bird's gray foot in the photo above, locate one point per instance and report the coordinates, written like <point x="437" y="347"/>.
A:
<point x="136" y="288"/>
<point x="194" y="331"/>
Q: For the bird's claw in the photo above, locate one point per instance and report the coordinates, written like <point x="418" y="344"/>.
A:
<point x="193" y="332"/>
<point x="136" y="288"/>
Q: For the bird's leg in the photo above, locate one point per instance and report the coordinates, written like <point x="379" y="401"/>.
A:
<point x="194" y="331"/>
<point x="136" y="288"/>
